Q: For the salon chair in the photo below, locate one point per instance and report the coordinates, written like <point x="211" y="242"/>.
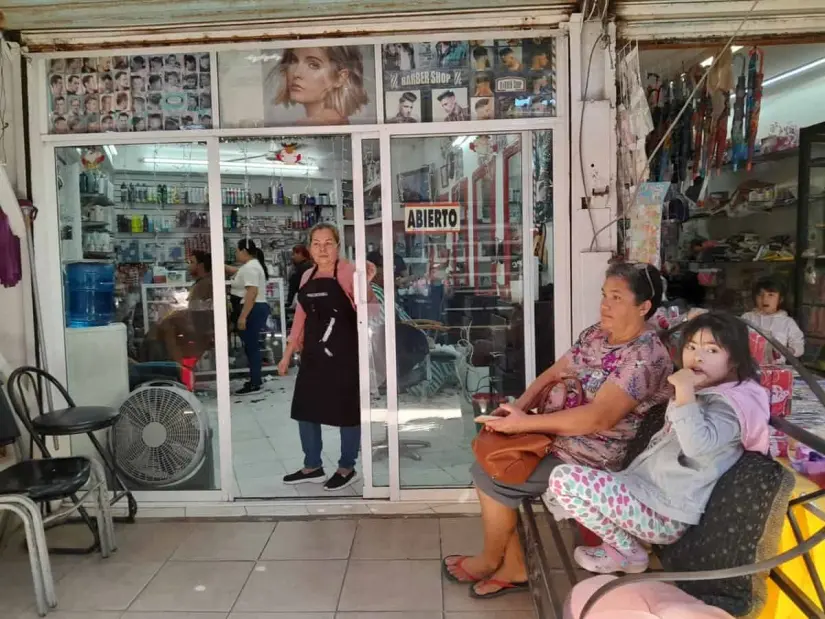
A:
<point x="412" y="350"/>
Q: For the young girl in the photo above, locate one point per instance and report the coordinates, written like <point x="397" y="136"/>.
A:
<point x="768" y="295"/>
<point x="719" y="410"/>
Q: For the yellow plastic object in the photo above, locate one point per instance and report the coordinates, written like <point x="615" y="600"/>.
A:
<point x="778" y="605"/>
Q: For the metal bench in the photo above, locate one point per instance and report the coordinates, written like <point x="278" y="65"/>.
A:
<point x="546" y="598"/>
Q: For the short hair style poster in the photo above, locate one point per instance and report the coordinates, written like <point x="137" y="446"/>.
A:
<point x="332" y="85"/>
<point x="483" y="80"/>
<point x="145" y="92"/>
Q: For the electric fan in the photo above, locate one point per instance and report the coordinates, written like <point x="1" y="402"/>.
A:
<point x="162" y="435"/>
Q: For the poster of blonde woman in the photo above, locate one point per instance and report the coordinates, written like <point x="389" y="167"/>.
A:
<point x="298" y="85"/>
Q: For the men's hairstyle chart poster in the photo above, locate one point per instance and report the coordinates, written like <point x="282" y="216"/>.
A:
<point x="450" y="81"/>
<point x="148" y="92"/>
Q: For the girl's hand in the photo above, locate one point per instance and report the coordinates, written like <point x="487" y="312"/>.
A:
<point x="283" y="366"/>
<point x="684" y="379"/>
<point x="512" y="420"/>
<point x="241" y="324"/>
<point x="371" y="270"/>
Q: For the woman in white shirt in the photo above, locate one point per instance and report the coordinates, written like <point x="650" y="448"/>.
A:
<point x="249" y="283"/>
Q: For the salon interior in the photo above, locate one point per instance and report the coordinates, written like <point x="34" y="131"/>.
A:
<point x="459" y="238"/>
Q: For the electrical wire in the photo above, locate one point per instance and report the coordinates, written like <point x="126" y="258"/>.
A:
<point x="586" y="191"/>
<point x="667" y="133"/>
<point x="3" y="101"/>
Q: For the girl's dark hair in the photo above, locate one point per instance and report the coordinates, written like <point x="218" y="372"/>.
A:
<point x="248" y="245"/>
<point x="731" y="334"/>
<point x="644" y="281"/>
<point x="769" y="283"/>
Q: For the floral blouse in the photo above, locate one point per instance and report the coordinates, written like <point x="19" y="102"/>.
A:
<point x="639" y="367"/>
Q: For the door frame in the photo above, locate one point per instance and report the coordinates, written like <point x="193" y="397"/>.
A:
<point x="561" y="277"/>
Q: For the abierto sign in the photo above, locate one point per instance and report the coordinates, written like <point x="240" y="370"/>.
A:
<point x="432" y="218"/>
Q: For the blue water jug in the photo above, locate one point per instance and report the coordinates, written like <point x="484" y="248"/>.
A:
<point x="90" y="293"/>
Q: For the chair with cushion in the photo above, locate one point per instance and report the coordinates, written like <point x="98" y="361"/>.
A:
<point x="71" y="420"/>
<point x="724" y="559"/>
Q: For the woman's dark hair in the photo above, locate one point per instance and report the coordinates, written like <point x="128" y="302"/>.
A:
<point x="731" y="334"/>
<point x="248" y="245"/>
<point x="302" y="251"/>
<point x="769" y="283"/>
<point x="204" y="258"/>
<point x="644" y="281"/>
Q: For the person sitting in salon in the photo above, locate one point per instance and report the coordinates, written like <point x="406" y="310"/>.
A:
<point x="179" y="336"/>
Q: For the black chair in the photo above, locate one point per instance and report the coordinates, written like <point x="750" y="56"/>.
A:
<point x="56" y="479"/>
<point x="69" y="421"/>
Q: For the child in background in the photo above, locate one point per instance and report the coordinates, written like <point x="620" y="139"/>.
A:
<point x="719" y="410"/>
<point x="768" y="297"/>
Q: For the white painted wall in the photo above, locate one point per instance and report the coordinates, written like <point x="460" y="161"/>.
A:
<point x="16" y="332"/>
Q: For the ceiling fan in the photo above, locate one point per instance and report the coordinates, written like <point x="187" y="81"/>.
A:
<point x="283" y="152"/>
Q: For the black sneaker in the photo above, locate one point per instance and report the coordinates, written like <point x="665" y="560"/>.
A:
<point x="299" y="477"/>
<point x="339" y="482"/>
<point x="248" y="389"/>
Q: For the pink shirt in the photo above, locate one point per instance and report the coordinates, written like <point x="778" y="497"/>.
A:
<point x="346" y="278"/>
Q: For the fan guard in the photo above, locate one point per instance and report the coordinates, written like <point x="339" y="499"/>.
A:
<point x="160" y="437"/>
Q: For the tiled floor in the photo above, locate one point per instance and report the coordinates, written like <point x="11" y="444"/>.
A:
<point x="309" y="569"/>
<point x="265" y="443"/>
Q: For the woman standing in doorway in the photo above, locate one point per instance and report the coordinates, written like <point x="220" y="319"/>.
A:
<point x="249" y="285"/>
<point x="325" y="330"/>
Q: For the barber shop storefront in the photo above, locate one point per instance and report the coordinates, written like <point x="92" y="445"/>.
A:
<point x="440" y="170"/>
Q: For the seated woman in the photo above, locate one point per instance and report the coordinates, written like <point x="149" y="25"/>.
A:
<point x="623" y="367"/>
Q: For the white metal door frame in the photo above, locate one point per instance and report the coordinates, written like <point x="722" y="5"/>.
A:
<point x="44" y="190"/>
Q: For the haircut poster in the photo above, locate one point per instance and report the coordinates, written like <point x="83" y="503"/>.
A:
<point x="157" y="92"/>
<point x="450" y="81"/>
<point x="297" y="86"/>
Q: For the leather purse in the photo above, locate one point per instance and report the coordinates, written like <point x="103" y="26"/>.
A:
<point x="512" y="458"/>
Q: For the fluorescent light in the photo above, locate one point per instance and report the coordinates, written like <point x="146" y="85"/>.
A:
<point x="783" y="76"/>
<point x="111" y="151"/>
<point x="709" y="60"/>
<point x="272" y="165"/>
<point x="461" y="140"/>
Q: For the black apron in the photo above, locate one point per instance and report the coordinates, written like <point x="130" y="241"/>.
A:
<point x="326" y="390"/>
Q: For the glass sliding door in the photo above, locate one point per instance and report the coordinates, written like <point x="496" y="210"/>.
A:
<point x="362" y="235"/>
<point x="140" y="336"/>
<point x="456" y="258"/>
<point x="273" y="191"/>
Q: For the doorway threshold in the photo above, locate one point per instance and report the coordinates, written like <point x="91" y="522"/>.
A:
<point x="246" y="508"/>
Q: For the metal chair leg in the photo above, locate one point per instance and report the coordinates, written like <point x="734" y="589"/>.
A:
<point x="104" y="513"/>
<point x="16" y="506"/>
<point x="42" y="547"/>
<point x="119" y="488"/>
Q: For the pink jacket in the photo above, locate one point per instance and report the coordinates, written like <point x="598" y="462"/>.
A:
<point x="751" y="402"/>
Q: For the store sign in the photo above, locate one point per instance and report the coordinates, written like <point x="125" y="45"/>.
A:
<point x="431" y="218"/>
<point x="449" y="81"/>
<point x="297" y="86"/>
<point x="161" y="92"/>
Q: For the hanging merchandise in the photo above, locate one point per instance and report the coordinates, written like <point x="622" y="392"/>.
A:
<point x="756" y="62"/>
<point x="739" y="149"/>
<point x="11" y="267"/>
<point x="719" y="85"/>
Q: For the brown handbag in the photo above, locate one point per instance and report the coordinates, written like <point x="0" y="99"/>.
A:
<point x="512" y="458"/>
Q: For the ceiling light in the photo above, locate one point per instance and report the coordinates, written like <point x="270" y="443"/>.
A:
<point x="274" y="165"/>
<point x="793" y="72"/>
<point x="110" y="150"/>
<point x="461" y="141"/>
